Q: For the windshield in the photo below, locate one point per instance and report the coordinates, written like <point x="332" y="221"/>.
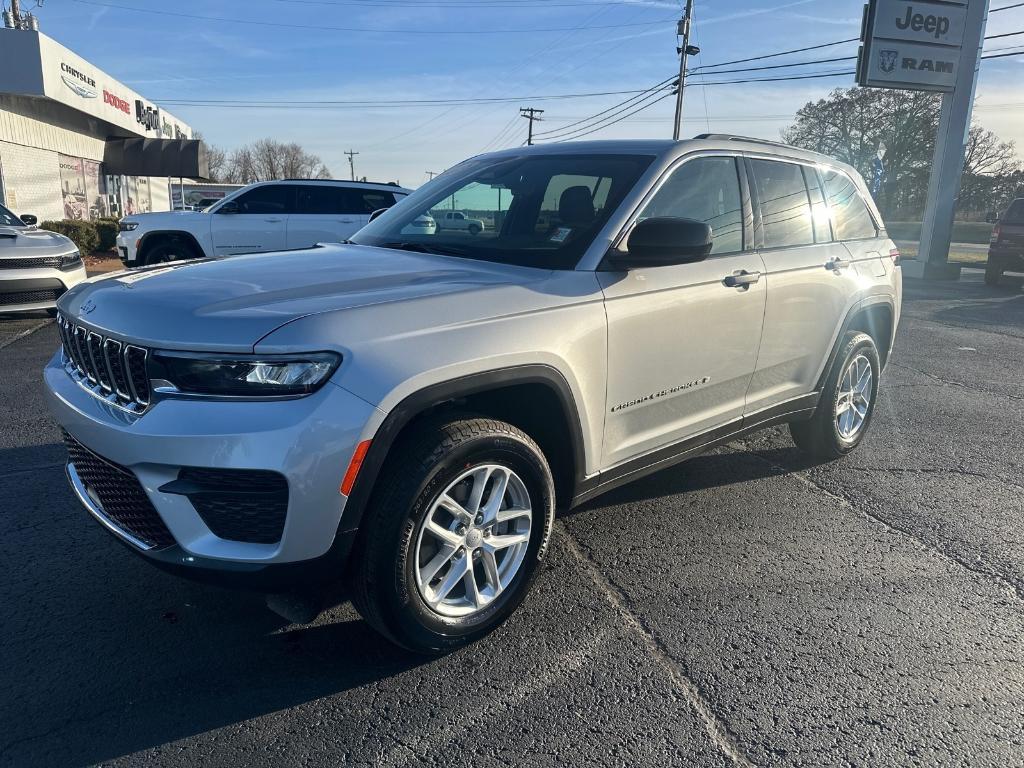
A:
<point x="532" y="210"/>
<point x="8" y="219"/>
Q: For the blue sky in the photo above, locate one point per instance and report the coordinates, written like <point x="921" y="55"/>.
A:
<point x="437" y="49"/>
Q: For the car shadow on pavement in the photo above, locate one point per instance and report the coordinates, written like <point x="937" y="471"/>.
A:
<point x="105" y="655"/>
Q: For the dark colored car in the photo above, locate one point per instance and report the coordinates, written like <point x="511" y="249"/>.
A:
<point x="1007" y="249"/>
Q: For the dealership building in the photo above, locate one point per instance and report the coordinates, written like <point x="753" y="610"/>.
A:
<point x="77" y="144"/>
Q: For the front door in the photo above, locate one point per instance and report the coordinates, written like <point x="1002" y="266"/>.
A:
<point x="683" y="340"/>
<point x="256" y="221"/>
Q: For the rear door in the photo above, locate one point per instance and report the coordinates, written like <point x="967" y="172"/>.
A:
<point x="809" y="277"/>
<point x="331" y="213"/>
<point x="682" y="340"/>
<point x="260" y="223"/>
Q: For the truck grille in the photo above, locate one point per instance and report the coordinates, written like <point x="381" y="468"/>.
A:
<point x="109" y="367"/>
<point x="120" y="495"/>
<point x="30" y="297"/>
<point x="32" y="262"/>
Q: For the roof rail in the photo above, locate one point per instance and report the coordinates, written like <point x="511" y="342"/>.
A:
<point x="344" y="181"/>
<point x="732" y="137"/>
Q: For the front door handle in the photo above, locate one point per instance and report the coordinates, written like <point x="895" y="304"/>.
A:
<point x="835" y="265"/>
<point x="741" y="279"/>
<point x="273" y="221"/>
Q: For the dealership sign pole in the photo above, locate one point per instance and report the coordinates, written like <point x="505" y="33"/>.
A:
<point x="930" y="46"/>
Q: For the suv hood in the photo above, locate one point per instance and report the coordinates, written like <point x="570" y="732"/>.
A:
<point x="229" y="304"/>
<point x="27" y="241"/>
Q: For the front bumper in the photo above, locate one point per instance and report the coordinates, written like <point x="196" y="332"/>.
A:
<point x="127" y="248"/>
<point x="25" y="290"/>
<point x="309" y="441"/>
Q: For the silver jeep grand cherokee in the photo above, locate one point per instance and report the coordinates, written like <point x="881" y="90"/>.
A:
<point x="408" y="410"/>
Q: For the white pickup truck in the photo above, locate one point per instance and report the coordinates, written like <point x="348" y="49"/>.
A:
<point x="457" y="220"/>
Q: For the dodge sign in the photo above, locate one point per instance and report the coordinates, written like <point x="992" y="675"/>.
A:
<point x="912" y="44"/>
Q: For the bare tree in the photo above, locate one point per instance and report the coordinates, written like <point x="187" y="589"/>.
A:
<point x="851" y="125"/>
<point x="216" y="158"/>
<point x="269" y="159"/>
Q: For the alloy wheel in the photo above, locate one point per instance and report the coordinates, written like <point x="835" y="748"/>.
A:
<point x="854" y="399"/>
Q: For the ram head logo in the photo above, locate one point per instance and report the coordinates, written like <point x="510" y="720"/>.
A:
<point x="887" y="60"/>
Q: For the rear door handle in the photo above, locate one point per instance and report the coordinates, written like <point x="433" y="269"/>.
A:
<point x="741" y="279"/>
<point x="835" y="265"/>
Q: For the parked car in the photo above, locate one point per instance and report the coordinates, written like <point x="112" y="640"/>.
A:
<point x="268" y="216"/>
<point x="459" y="222"/>
<point x="1006" y="251"/>
<point x="407" y="412"/>
<point x="36" y="267"/>
<point x="421" y="225"/>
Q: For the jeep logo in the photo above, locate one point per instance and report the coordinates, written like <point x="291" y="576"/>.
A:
<point x="918" y="22"/>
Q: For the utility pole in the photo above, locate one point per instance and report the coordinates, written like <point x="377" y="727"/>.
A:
<point x="683" y="30"/>
<point x="533" y="115"/>
<point x="352" y="162"/>
<point x="431" y="175"/>
<point x="16" y="13"/>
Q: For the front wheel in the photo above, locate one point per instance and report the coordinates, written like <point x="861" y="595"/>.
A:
<point x="452" y="539"/>
<point x="165" y="253"/>
<point x="474" y="229"/>
<point x="847" y="402"/>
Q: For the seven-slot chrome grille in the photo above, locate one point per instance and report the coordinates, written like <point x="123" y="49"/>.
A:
<point x="109" y="368"/>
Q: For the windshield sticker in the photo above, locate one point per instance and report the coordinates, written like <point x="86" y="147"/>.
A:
<point x="561" y="235"/>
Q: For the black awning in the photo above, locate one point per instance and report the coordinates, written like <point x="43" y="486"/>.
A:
<point x="169" y="158"/>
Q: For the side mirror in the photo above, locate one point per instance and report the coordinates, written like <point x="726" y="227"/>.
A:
<point x="229" y="207"/>
<point x="378" y="213"/>
<point x="29" y="219"/>
<point x="663" y="242"/>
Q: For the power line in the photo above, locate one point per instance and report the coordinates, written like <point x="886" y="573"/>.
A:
<point x="1006" y="7"/>
<point x="474" y="4"/>
<point x="291" y="25"/>
<point x="775" y="55"/>
<point x="613" y="118"/>
<point x="654" y="87"/>
<point x="619" y="120"/>
<point x="774" y="66"/>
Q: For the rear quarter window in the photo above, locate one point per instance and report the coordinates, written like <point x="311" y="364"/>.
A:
<point x="851" y="219"/>
<point x="1015" y="213"/>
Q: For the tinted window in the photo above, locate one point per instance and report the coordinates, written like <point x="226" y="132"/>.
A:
<point x="1015" y="213"/>
<point x="785" y="207"/>
<point x="366" y="201"/>
<point x="819" y="211"/>
<point x="708" y="190"/>
<point x="850" y="217"/>
<point x="8" y="219"/>
<point x="321" y="199"/>
<point x="272" y="198"/>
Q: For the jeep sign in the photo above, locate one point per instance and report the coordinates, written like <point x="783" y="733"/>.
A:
<point x="912" y="44"/>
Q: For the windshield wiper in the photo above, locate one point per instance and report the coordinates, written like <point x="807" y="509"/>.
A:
<point x="421" y="248"/>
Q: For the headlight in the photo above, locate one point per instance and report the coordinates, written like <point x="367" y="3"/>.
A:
<point x="70" y="260"/>
<point x="128" y="226"/>
<point x="245" y="375"/>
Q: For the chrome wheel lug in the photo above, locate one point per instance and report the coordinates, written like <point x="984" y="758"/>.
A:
<point x="479" y="519"/>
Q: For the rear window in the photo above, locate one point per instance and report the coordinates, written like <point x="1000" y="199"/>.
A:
<point x="785" y="206"/>
<point x="850" y="216"/>
<point x="1015" y="213"/>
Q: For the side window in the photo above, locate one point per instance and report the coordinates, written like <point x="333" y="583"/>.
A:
<point x="785" y="206"/>
<point x="706" y="189"/>
<point x="272" y="198"/>
<point x="319" y="199"/>
<point x="363" y="202"/>
<point x="819" y="211"/>
<point x="850" y="216"/>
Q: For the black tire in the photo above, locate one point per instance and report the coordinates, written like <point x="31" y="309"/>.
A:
<point x="382" y="575"/>
<point x="167" y="252"/>
<point x="820" y="436"/>
<point x="993" y="271"/>
<point x="474" y="229"/>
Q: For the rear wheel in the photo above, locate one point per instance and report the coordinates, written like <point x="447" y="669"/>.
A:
<point x="166" y="252"/>
<point x="847" y="403"/>
<point x="474" y="229"/>
<point x="993" y="271"/>
<point x="452" y="540"/>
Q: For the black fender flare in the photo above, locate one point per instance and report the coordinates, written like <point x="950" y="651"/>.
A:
<point x="858" y="308"/>
<point x="437" y="394"/>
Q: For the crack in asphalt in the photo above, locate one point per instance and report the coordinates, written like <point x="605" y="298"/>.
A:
<point x="1009" y="586"/>
<point x="939" y="471"/>
<point x="956" y="383"/>
<point x="716" y="728"/>
<point x="25" y="333"/>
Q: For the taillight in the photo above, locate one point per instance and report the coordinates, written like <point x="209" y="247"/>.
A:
<point x="997" y="234"/>
<point x="894" y="254"/>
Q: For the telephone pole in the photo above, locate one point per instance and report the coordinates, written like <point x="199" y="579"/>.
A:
<point x="533" y="115"/>
<point x="686" y="50"/>
<point x="352" y="162"/>
<point x="431" y="175"/>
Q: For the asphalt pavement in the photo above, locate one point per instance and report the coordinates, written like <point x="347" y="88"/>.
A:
<point x="745" y="608"/>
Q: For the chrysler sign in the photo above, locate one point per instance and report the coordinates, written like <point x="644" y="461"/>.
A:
<point x="912" y="44"/>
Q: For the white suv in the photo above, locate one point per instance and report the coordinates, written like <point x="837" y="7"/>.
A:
<point x="266" y="216"/>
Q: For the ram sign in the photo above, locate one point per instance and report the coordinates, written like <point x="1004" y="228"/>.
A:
<point x="912" y="44"/>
